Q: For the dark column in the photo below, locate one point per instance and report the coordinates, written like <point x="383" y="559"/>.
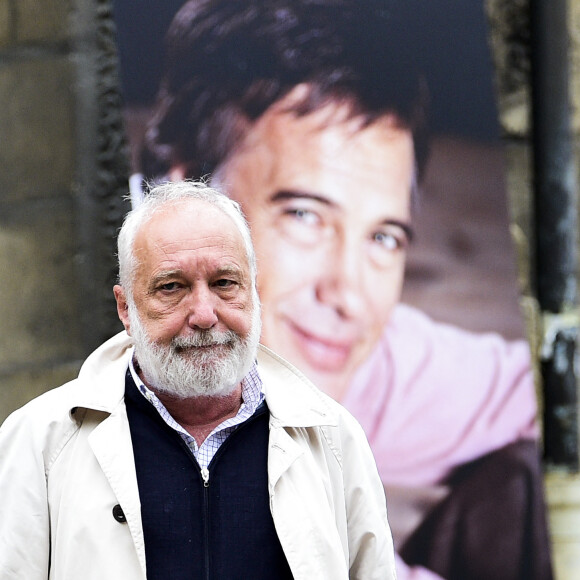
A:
<point x="555" y="210"/>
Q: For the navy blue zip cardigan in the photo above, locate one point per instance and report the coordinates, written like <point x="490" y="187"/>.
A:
<point x="219" y="530"/>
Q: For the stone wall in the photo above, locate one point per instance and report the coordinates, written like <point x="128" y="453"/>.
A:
<point x="511" y="47"/>
<point x="62" y="178"/>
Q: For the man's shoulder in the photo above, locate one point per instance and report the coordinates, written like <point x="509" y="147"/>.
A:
<point x="93" y="388"/>
<point x="41" y="427"/>
<point x="45" y="408"/>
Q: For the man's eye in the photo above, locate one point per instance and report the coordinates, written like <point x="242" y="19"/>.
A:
<point x="169" y="287"/>
<point x="224" y="283"/>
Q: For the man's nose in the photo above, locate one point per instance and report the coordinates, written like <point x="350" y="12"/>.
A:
<point x="340" y="284"/>
<point x="201" y="308"/>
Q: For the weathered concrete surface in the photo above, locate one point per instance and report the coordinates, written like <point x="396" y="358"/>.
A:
<point x="509" y="37"/>
<point x="42" y="20"/>
<point x="6" y="25"/>
<point x="60" y="189"/>
<point x="37" y="127"/>
<point x="39" y="296"/>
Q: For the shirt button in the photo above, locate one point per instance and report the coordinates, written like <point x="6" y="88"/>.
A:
<point x="119" y="514"/>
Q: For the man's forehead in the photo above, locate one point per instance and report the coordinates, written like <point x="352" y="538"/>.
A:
<point x="188" y="229"/>
<point x="188" y="218"/>
<point x="174" y="244"/>
<point x="191" y="260"/>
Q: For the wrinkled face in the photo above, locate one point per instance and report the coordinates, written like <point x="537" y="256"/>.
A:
<point x="192" y="301"/>
<point x="328" y="202"/>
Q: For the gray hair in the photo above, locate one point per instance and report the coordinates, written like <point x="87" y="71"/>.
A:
<point x="159" y="197"/>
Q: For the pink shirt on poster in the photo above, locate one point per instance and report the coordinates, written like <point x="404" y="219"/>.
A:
<point x="433" y="396"/>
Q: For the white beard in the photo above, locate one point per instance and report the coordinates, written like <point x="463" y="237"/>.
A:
<point x="206" y="363"/>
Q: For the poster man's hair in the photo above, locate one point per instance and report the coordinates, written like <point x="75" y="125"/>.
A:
<point x="227" y="61"/>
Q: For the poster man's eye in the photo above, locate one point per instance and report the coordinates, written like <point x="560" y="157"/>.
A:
<point x="388" y="241"/>
<point x="305" y="216"/>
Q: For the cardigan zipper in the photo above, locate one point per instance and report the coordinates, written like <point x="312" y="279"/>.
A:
<point x="204" y="471"/>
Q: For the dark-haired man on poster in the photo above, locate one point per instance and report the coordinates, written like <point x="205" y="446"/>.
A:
<point x="311" y="114"/>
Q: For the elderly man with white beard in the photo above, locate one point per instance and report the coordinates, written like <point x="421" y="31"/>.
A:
<point x="184" y="449"/>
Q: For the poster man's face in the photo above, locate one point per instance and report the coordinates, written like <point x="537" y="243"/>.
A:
<point x="329" y="207"/>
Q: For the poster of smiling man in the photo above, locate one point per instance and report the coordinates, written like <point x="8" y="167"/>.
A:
<point x="360" y="138"/>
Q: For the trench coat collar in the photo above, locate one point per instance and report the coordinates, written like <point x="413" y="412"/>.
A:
<point x="292" y="399"/>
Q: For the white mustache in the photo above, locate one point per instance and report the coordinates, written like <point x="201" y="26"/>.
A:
<point x="204" y="338"/>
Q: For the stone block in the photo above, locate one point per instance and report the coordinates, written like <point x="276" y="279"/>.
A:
<point x="42" y="20"/>
<point x="510" y="41"/>
<point x="518" y="157"/>
<point x="37" y="155"/>
<point x="6" y="23"/>
<point x="20" y="387"/>
<point x="39" y="307"/>
<point x="563" y="501"/>
<point x="509" y="36"/>
<point x="574" y="21"/>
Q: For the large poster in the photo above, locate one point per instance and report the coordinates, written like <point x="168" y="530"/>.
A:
<point x="360" y="138"/>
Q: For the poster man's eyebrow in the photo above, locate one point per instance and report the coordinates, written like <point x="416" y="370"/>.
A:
<point x="289" y="194"/>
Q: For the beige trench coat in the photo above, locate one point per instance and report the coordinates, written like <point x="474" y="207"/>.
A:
<point x="66" y="461"/>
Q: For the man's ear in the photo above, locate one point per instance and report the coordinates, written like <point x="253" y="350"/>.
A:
<point x="122" y="306"/>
